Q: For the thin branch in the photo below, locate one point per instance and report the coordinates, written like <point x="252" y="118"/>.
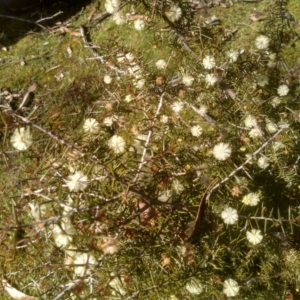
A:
<point x="23" y="20"/>
<point x="142" y="162"/>
<point x="68" y="287"/>
<point x="49" y="18"/>
<point x="202" y="114"/>
<point x="95" y="54"/>
<point x="180" y="36"/>
<point x="264" y="145"/>
<point x="130" y="186"/>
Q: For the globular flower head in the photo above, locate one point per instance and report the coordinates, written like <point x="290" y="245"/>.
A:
<point x="177" y="186"/>
<point x="139" y="83"/>
<point x="109" y="246"/>
<point x="112" y="6"/>
<point x="211" y="79"/>
<point x="164" y="119"/>
<point x="177" y="106"/>
<point x="63" y="235"/>
<point x="229" y="215"/>
<point x="37" y="211"/>
<point x="77" y="181"/>
<point x="128" y="98"/>
<point x="165" y="196"/>
<point x="233" y="55"/>
<point x="254" y="236"/>
<point x="118" y="285"/>
<point x="209" y="62"/>
<point x="276" y="101"/>
<point x="230" y="288"/>
<point x="202" y="110"/>
<point x="21" y="139"/>
<point x="161" y="64"/>
<point x="262" y="42"/>
<point x="119" y="18"/>
<point x="196" y="130"/>
<point x="194" y="287"/>
<point x="222" y="151"/>
<point x="271" y="126"/>
<point x="250" y="121"/>
<point x="117" y="144"/>
<point x="251" y="199"/>
<point x="254" y="133"/>
<point x="84" y="263"/>
<point x="129" y="56"/>
<point x="107" y="79"/>
<point x="108" y="121"/>
<point x="263" y="162"/>
<point x="174" y="13"/>
<point x="139" y="24"/>
<point x="187" y="79"/>
<point x="283" y="90"/>
<point x="91" y="126"/>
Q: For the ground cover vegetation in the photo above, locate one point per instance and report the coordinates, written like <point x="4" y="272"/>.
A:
<point x="150" y="150"/>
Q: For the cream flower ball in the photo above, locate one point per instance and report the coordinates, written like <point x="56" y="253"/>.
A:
<point x="161" y="64"/>
<point x="177" y="106"/>
<point x="250" y="121"/>
<point x="37" y="211"/>
<point x="233" y="55"/>
<point x="139" y="24"/>
<point x="84" y="263"/>
<point x="174" y="13"/>
<point x="187" y="80"/>
<point x="107" y="79"/>
<point x="194" y="287"/>
<point x="91" y="126"/>
<point x="209" y="62"/>
<point x="196" y="130"/>
<point x="254" y="133"/>
<point x="118" y="285"/>
<point x="112" y="6"/>
<point x="119" y="18"/>
<point x="230" y="288"/>
<point x="263" y="162"/>
<point x="282" y="90"/>
<point x="222" y="151"/>
<point x="251" y="199"/>
<point x="62" y="237"/>
<point x="21" y="139"/>
<point x="254" y="236"/>
<point x="229" y="215"/>
<point x="117" y="144"/>
<point x="77" y="181"/>
<point x="262" y="42"/>
<point x="211" y="79"/>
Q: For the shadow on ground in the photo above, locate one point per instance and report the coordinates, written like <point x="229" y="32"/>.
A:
<point x="16" y="24"/>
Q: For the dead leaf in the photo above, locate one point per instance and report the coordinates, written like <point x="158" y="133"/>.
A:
<point x="137" y="17"/>
<point x="64" y="29"/>
<point x="257" y="16"/>
<point x="70" y="52"/>
<point x="28" y="96"/>
<point x="236" y="191"/>
<point x="92" y="13"/>
<point x="166" y="260"/>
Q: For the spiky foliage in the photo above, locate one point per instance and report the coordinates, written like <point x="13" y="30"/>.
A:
<point x="133" y="208"/>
